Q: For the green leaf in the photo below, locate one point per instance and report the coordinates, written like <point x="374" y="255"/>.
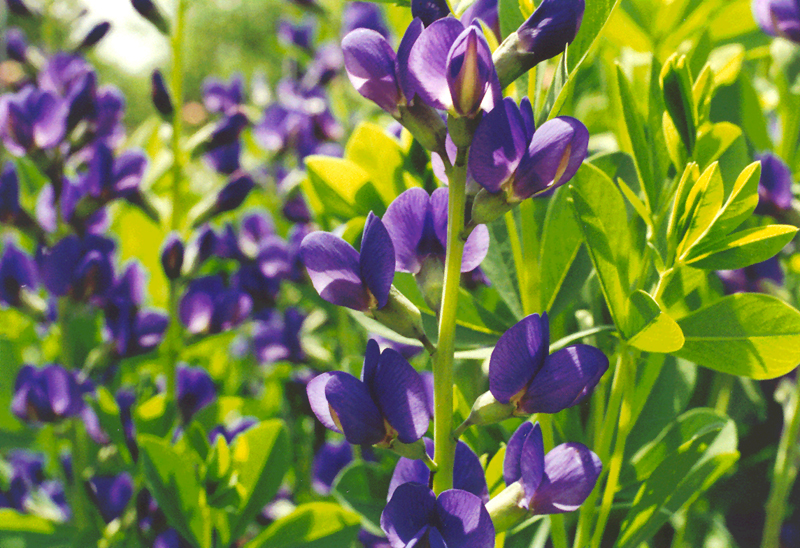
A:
<point x="741" y="202"/>
<point x="557" y="86"/>
<point x="705" y="450"/>
<point x="500" y="268"/>
<point x="510" y="16"/>
<point x="713" y="142"/>
<point x="742" y="248"/>
<point x="594" y="20"/>
<point x="747" y="334"/>
<point x="341" y="187"/>
<point x="649" y="328"/>
<point x="362" y="487"/>
<point x="676" y="83"/>
<point x="313" y="525"/>
<point x="171" y="478"/>
<point x="28" y="531"/>
<point x="108" y="415"/>
<point x="154" y="416"/>
<point x="380" y="156"/>
<point x="261" y="456"/>
<point x="702" y="206"/>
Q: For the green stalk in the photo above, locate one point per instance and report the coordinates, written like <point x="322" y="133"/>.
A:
<point x="178" y="165"/>
<point x="622" y="383"/>
<point x="444" y="443"/>
<point x="784" y="473"/>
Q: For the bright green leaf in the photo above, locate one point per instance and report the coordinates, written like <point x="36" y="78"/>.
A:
<point x="380" y="156"/>
<point x="649" y="328"/>
<point x="742" y="248"/>
<point x="362" y="487"/>
<point x="703" y="203"/>
<point x="313" y="525"/>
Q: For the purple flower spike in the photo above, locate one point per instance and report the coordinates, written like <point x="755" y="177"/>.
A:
<point x="221" y="97"/>
<point x="778" y="18"/>
<point x="388" y="402"/>
<point x="416" y="517"/>
<point x="46" y="395"/>
<point x="417" y="225"/>
<point x="111" y="494"/>
<point x="522" y="373"/>
<point x="31" y="119"/>
<point x="429" y="11"/>
<point x="328" y="462"/>
<point x="17" y="271"/>
<point x="195" y="390"/>
<point x="470" y="73"/>
<point x="550" y="28"/>
<point x="468" y="473"/>
<point x="344" y="277"/>
<point x="775" y="186"/>
<point x="554" y="483"/>
<point x="370" y="64"/>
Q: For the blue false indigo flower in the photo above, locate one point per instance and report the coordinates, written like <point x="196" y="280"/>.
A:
<point x="209" y="307"/>
<point x="487" y="12"/>
<point x="82" y="268"/>
<point x="16" y="45"/>
<point x="778" y="18"/>
<point x="219" y="97"/>
<point x="513" y="162"/>
<point x="231" y="196"/>
<point x="48" y="394"/>
<point x="108" y="178"/>
<point x="300" y="35"/>
<point x="277" y="338"/>
<point x="171" y="539"/>
<point x="229" y="432"/>
<point x="543" y="484"/>
<point x="752" y="279"/>
<point x="524" y="379"/>
<point x="172" y="256"/>
<point x="468" y="473"/>
<point x="774" y="187"/>
<point x="545" y="34"/>
<point x="415" y="516"/>
<point x="31" y="119"/>
<point x="429" y="11"/>
<point x="160" y="95"/>
<point x="18" y="7"/>
<point x="451" y="68"/>
<point x="417" y="225"/>
<point x="17" y="274"/>
<point x="363" y="15"/>
<point x="9" y="194"/>
<point x="328" y="462"/>
<point x="388" y="406"/>
<point x="93" y="37"/>
<point x="149" y="11"/>
<point x="111" y="494"/>
<point x="195" y="391"/>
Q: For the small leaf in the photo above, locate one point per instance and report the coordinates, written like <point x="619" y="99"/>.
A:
<point x="713" y="142"/>
<point x="747" y="334"/>
<point x="703" y="203"/>
<point x="154" y="416"/>
<point x="510" y="16"/>
<point x="595" y="17"/>
<point x="313" y="525"/>
<point x="649" y="328"/>
<point x="380" y="156"/>
<point x="676" y="83"/>
<point x="742" y="248"/>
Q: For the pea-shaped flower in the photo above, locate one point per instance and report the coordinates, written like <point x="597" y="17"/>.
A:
<point x="774" y="187"/>
<point x="388" y="403"/>
<point x="48" y="394"/>
<point x="415" y="516"/>
<point x="778" y="18"/>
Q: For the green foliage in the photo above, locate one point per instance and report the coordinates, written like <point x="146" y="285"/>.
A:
<point x="312" y="525"/>
<point x="362" y="488"/>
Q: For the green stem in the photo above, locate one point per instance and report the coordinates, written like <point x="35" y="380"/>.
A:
<point x="791" y="126"/>
<point x="785" y="471"/>
<point x="622" y="382"/>
<point x="723" y="386"/>
<point x="444" y="444"/>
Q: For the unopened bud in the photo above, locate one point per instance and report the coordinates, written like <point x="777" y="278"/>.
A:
<point x="172" y="257"/>
<point x="489" y="206"/>
<point x="160" y="95"/>
<point x="94" y="36"/>
<point x="150" y="11"/>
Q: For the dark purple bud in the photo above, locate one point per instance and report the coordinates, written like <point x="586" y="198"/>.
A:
<point x="470" y="73"/>
<point x="522" y="373"/>
<point x="775" y="186"/>
<point x="46" y="395"/>
<point x="94" y="36"/>
<point x="18" y="7"/>
<point x="778" y="18"/>
<point x="9" y="194"/>
<point x="299" y="35"/>
<point x="111" y="494"/>
<point x="195" y="390"/>
<point x="415" y="516"/>
<point x="204" y="245"/>
<point x="160" y="95"/>
<point x="149" y="11"/>
<point x="225" y="158"/>
<point x="228" y="130"/>
<point x="229" y="432"/>
<point x="363" y="15"/>
<point x="172" y="256"/>
<point x="328" y="462"/>
<point x="370" y="64"/>
<point x="16" y="45"/>
<point x="429" y="11"/>
<point x="219" y="97"/>
<point x="17" y="271"/>
<point x="234" y="193"/>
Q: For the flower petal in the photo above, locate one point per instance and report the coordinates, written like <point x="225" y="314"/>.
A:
<point x="470" y="72"/>
<point x="377" y="259"/>
<point x="468" y="474"/>
<point x="570" y="473"/>
<point x="333" y="267"/>
<point x="315" y="390"/>
<point x="550" y="28"/>
<point x="411" y="471"/>
<point x="427" y="62"/>
<point x="404" y="221"/>
<point x="518" y="356"/>
<point x="370" y="367"/>
<point x="475" y="249"/>
<point x="370" y="64"/>
<point x="405" y="82"/>
<point x="360" y="419"/>
<point x="464" y="520"/>
<point x="511" y="462"/>
<point x="498" y="146"/>
<point x="400" y="393"/>
<point x="565" y="379"/>
<point x="429" y="11"/>
<point x="411" y="508"/>
<point x="531" y="462"/>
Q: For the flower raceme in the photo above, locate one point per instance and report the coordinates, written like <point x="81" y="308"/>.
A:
<point x="386" y="406"/>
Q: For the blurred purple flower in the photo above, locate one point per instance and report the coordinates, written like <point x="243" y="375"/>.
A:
<point x="230" y="431"/>
<point x="48" y="394"/>
<point x="778" y="18"/>
<point x="195" y="390"/>
<point x="415" y="516"/>
<point x="363" y="15"/>
<point x="751" y="279"/>
<point x="552" y="484"/>
<point x="775" y="186"/>
<point x="18" y="7"/>
<point x="429" y="11"/>
<point x="79" y="267"/>
<point x="389" y="401"/>
<point x="16" y="45"/>
<point x="299" y="35"/>
<point x="17" y="271"/>
<point x="328" y="462"/>
<point x="486" y="11"/>
<point x="276" y="337"/>
<point x="209" y="307"/>
<point x="95" y="34"/>
<point x="111" y="494"/>
<point x="219" y="97"/>
<point x="171" y="539"/>
<point x="172" y="256"/>
<point x="523" y="374"/>
<point x="31" y="119"/>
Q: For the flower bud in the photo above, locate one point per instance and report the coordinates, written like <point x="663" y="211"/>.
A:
<point x="469" y="71"/>
<point x="234" y="193"/>
<point x="488" y="206"/>
<point x="486" y="410"/>
<point x="149" y="11"/>
<point x="18" y="7"/>
<point x="160" y="95"/>
<point x="172" y="257"/>
<point x="94" y="36"/>
<point x="505" y="509"/>
<point x="16" y="46"/>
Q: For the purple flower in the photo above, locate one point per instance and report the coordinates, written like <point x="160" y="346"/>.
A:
<point x="775" y="186"/>
<point x="209" y="307"/>
<point x="79" y="267"/>
<point x="778" y="18"/>
<point x="368" y="540"/>
<point x="230" y="431"/>
<point x="111" y="494"/>
<point x="172" y="256"/>
<point x="171" y="539"/>
<point x="415" y="516"/>
<point x="195" y="391"/>
<point x="522" y="374"/>
<point x="160" y="94"/>
<point x="26" y="475"/>
<point x="343" y="276"/>
<point x="46" y="395"/>
<point x="429" y="11"/>
<point x="9" y="194"/>
<point x="363" y="15"/>
<point x="752" y="278"/>
<point x="554" y="483"/>
<point x="149" y="11"/>
<point x="93" y="37"/>
<point x="328" y="462"/>
<point x="468" y="473"/>
<point x="17" y="271"/>
<point x="16" y="45"/>
<point x="451" y="68"/>
<point x="219" y="97"/>
<point x="486" y="11"/>
<point x="108" y="178"/>
<point x="277" y="337"/>
<point x="508" y="156"/>
<point x="417" y="225"/>
<point x="233" y="194"/>
<point x="300" y="35"/>
<point x="31" y="119"/>
<point x="388" y="402"/>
